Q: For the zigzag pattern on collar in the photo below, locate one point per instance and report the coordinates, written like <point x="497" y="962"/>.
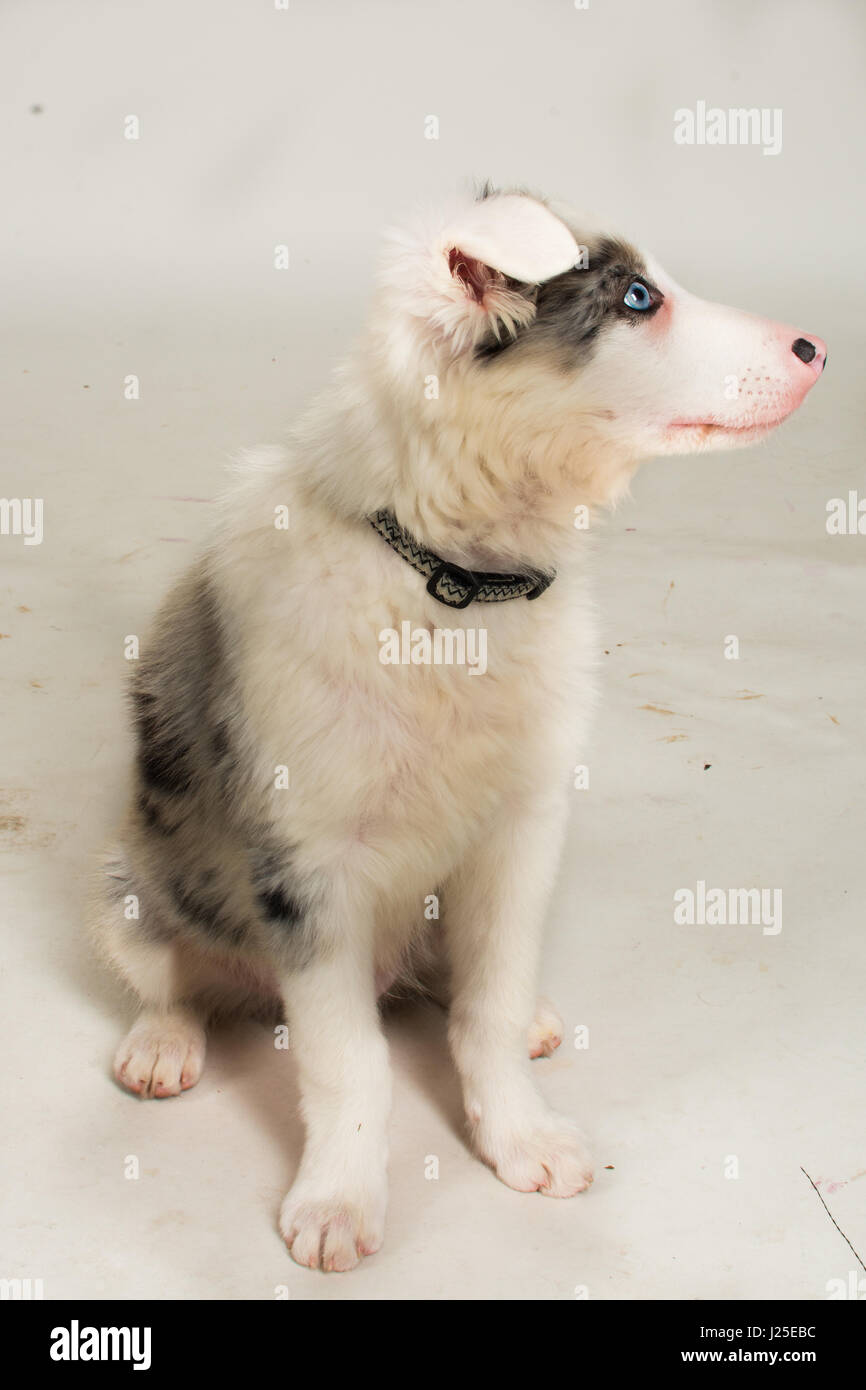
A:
<point x="450" y="584"/>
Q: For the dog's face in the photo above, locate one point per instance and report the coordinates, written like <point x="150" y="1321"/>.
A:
<point x="677" y="374"/>
<point x="523" y="366"/>
<point x="593" y="336"/>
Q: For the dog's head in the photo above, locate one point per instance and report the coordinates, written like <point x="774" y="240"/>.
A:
<point x="562" y="355"/>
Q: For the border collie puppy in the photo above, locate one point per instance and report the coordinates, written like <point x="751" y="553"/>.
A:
<point x="358" y="713"/>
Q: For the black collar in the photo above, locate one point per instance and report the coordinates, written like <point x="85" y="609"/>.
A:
<point x="450" y="584"/>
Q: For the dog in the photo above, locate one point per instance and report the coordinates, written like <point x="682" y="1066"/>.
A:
<point x="321" y="816"/>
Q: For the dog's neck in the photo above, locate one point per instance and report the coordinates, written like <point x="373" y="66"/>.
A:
<point x="478" y="493"/>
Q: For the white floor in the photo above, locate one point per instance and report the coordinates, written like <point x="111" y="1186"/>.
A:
<point x="707" y="1044"/>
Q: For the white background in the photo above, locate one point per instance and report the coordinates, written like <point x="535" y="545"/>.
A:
<point x="155" y="257"/>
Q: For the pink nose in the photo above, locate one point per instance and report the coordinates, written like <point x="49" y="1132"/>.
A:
<point x="812" y="351"/>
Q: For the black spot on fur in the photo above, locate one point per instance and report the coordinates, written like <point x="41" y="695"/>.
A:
<point x="277" y="906"/>
<point x="220" y="742"/>
<point x="154" y="813"/>
<point x="226" y="765"/>
<point x="271" y="876"/>
<point x="204" y="912"/>
<point x="163" y="757"/>
<point x="208" y="910"/>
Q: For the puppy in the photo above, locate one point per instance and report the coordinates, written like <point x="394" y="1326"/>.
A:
<point x="328" y="792"/>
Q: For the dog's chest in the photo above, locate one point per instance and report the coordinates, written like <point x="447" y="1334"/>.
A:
<point x="402" y="721"/>
<point x="432" y="751"/>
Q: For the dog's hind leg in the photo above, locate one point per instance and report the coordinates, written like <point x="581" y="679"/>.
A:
<point x="545" y="1030"/>
<point x="163" y="1053"/>
<point x="434" y="981"/>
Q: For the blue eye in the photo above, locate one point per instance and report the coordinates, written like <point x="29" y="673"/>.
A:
<point x="637" y="296"/>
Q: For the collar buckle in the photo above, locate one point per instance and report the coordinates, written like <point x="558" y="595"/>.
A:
<point x="452" y="585"/>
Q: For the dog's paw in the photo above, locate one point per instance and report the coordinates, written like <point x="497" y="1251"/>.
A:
<point x="161" y="1055"/>
<point x="545" y="1032"/>
<point x="550" y="1157"/>
<point x="331" y="1233"/>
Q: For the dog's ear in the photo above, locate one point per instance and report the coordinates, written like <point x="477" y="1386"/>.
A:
<point x="512" y="236"/>
<point x="497" y="253"/>
<point x="477" y="274"/>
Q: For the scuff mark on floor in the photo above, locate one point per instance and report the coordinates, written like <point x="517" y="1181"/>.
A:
<point x="16" y="831"/>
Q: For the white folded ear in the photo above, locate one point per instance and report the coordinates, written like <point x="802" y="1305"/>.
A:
<point x="476" y="274"/>
<point x="517" y="236"/>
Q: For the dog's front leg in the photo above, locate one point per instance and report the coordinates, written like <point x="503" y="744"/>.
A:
<point x="335" y="1210"/>
<point x="495" y="909"/>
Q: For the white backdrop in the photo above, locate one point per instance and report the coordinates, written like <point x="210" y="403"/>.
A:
<point x="154" y="257"/>
<point x="307" y="126"/>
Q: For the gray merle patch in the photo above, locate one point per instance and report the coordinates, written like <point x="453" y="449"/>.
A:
<point x="572" y="309"/>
